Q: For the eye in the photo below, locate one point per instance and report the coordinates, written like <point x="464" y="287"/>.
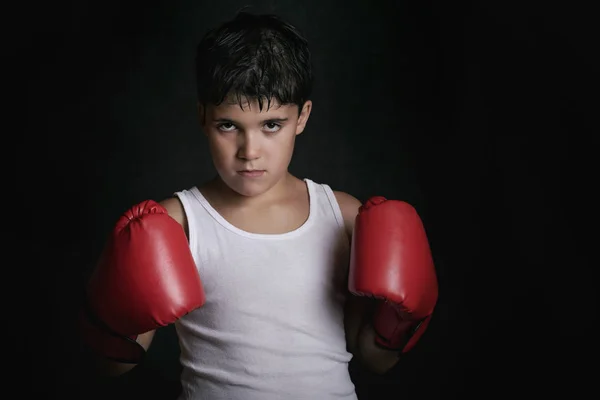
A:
<point x="272" y="127"/>
<point x="226" y="127"/>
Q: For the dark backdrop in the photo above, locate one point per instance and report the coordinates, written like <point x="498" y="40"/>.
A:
<point x="478" y="113"/>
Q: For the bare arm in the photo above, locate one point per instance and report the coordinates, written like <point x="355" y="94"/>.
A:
<point x="360" y="335"/>
<point x="113" y="368"/>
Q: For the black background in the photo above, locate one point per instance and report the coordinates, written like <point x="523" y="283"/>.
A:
<point x="479" y="113"/>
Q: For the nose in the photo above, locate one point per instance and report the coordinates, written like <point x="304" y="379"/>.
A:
<point x="248" y="146"/>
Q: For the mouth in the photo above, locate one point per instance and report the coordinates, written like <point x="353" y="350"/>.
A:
<point x="251" y="173"/>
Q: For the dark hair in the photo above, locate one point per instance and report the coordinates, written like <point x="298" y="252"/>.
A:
<point x="254" y="57"/>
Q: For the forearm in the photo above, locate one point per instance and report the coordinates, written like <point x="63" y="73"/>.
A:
<point x="356" y="312"/>
<point x="360" y="336"/>
<point x="371" y="355"/>
<point x="106" y="367"/>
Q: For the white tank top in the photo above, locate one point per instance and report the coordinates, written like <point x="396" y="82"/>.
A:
<point x="273" y="323"/>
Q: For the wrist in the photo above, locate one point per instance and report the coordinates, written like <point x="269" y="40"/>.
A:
<point x="373" y="356"/>
<point x="393" y="331"/>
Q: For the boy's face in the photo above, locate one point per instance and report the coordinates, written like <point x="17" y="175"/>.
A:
<point x="252" y="149"/>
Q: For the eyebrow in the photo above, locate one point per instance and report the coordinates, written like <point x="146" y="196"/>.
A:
<point x="264" y="121"/>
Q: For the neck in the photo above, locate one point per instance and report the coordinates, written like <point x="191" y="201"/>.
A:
<point x="226" y="195"/>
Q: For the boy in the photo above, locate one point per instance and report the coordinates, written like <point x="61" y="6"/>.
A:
<point x="252" y="267"/>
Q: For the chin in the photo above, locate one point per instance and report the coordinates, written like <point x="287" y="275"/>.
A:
<point x="248" y="189"/>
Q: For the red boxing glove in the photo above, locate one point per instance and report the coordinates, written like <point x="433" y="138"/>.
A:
<point x="391" y="261"/>
<point x="146" y="278"/>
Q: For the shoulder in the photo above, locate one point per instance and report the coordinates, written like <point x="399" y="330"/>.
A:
<point x="175" y="209"/>
<point x="349" y="206"/>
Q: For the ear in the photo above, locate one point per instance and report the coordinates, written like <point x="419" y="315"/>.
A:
<point x="303" y="118"/>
